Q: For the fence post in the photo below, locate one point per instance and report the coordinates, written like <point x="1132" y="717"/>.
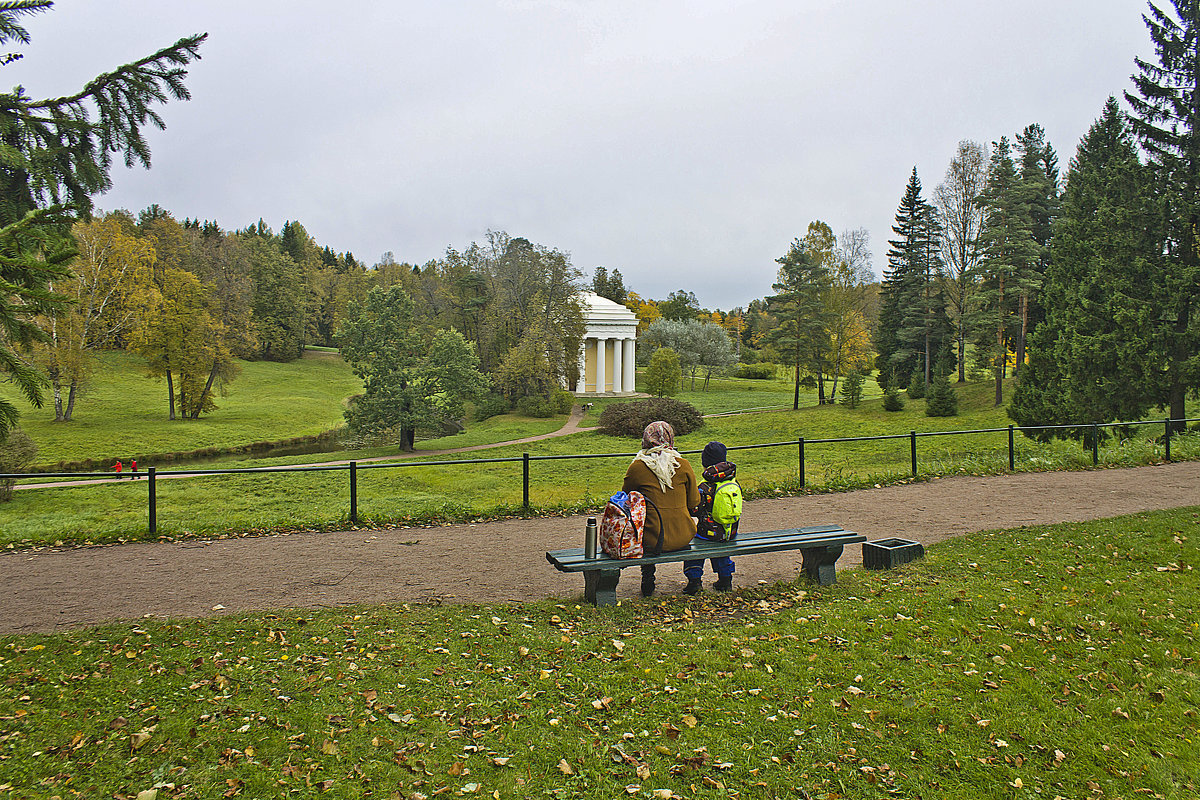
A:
<point x="912" y="439"/>
<point x="525" y="481"/>
<point x="353" y="493"/>
<point x="1012" y="456"/>
<point x="1168" y="438"/>
<point x="801" y="443"/>
<point x="153" y="501"/>
<point x="1095" y="444"/>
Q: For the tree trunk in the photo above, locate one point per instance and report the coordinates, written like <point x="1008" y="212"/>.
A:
<point x="212" y="376"/>
<point x="1020" y="363"/>
<point x="408" y="438"/>
<point x="820" y="388"/>
<point x="71" y="400"/>
<point x="56" y="384"/>
<point x="796" y="392"/>
<point x="1001" y="348"/>
<point x="171" y="394"/>
<point x="962" y="355"/>
<point x="927" y="359"/>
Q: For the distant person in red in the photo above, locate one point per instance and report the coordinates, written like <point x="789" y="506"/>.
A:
<point x="133" y="469"/>
<point x="117" y="467"/>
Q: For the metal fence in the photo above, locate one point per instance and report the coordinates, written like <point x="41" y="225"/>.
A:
<point x="353" y="467"/>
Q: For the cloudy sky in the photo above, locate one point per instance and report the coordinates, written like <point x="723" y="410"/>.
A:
<point x="684" y="143"/>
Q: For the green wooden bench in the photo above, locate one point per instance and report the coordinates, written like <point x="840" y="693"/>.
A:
<point x="821" y="545"/>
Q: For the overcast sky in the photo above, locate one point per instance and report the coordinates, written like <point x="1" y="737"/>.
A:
<point x="683" y="143"/>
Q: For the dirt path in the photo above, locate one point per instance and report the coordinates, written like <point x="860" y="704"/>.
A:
<point x="503" y="561"/>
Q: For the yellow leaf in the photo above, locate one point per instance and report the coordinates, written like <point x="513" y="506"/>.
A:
<point x="329" y="747"/>
<point x="138" y="740"/>
<point x="689" y="720"/>
<point x="564" y="767"/>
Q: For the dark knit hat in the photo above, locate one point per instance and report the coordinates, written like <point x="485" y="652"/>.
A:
<point x="714" y="453"/>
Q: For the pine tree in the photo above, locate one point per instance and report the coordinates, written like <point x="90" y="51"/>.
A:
<point x="1096" y="356"/>
<point x="912" y="319"/>
<point x="1166" y="120"/>
<point x="57" y="153"/>
<point x="798" y="305"/>
<point x="1007" y="251"/>
<point x="1038" y="176"/>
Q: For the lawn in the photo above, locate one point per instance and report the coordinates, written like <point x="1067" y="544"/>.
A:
<point x="123" y="413"/>
<point x="1042" y="662"/>
<point x="411" y="495"/>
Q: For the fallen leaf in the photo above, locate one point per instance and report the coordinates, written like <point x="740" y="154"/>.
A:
<point x="138" y="740"/>
<point x="148" y="794"/>
<point x="564" y="767"/>
<point x="689" y="720"/>
<point x="643" y="771"/>
<point x="329" y="747"/>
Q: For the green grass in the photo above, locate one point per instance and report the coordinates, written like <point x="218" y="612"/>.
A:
<point x="418" y="495"/>
<point x="124" y="413"/>
<point x="1041" y="662"/>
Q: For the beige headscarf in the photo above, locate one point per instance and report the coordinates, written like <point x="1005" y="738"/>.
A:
<point x="658" y="452"/>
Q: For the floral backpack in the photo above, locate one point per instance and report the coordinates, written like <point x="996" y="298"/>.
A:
<point x="622" y="525"/>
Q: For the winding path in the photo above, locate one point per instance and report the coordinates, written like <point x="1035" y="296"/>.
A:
<point x="57" y="589"/>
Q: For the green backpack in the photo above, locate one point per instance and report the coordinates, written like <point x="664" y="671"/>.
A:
<point x="727" y="507"/>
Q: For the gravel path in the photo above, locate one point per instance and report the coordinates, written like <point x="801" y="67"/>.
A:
<point x="59" y="589"/>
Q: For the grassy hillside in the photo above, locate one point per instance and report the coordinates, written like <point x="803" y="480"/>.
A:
<point x="123" y="413"/>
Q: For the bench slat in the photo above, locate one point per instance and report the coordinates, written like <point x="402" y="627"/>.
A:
<point x="573" y="560"/>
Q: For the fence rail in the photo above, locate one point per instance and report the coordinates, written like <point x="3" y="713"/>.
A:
<point x="152" y="474"/>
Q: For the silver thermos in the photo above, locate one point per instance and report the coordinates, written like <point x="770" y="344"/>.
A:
<point x="589" y="538"/>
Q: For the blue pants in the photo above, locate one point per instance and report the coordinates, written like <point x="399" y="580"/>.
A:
<point x="722" y="565"/>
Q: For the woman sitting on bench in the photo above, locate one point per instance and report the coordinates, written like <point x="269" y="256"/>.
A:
<point x="667" y="480"/>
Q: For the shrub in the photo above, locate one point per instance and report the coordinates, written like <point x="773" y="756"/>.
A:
<point x="762" y="371"/>
<point x="630" y="419"/>
<point x="852" y="386"/>
<point x="535" y="406"/>
<point x="663" y="374"/>
<point x="916" y="384"/>
<point x="941" y="400"/>
<point x="16" y="453"/>
<point x="562" y="400"/>
<point x="491" y="405"/>
<point x="891" y="399"/>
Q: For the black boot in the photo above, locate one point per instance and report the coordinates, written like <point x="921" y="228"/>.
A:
<point x="724" y="583"/>
<point x="647" y="581"/>
<point x="694" y="586"/>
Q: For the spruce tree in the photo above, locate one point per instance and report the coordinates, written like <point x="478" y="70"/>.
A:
<point x="1038" y="176"/>
<point x="56" y="154"/>
<point x="1166" y="121"/>
<point x="1007" y="252"/>
<point x="1096" y="356"/>
<point x="912" y="318"/>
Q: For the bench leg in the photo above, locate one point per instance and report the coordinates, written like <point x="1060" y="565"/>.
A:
<point x="819" y="563"/>
<point x="600" y="586"/>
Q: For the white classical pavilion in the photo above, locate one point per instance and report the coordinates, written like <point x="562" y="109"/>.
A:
<point x="606" y="360"/>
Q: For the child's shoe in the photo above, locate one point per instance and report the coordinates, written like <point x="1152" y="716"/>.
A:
<point x="724" y="583"/>
<point x="694" y="586"/>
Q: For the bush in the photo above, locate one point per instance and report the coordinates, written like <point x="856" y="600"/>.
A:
<point x="941" y="400"/>
<point x="491" y="405"/>
<point x="562" y="400"/>
<point x="16" y="453"/>
<point x="762" y="371"/>
<point x="891" y="399"/>
<point x="663" y="375"/>
<point x="852" y="386"/>
<point x="916" y="384"/>
<point x="630" y="419"/>
<point x="535" y="406"/>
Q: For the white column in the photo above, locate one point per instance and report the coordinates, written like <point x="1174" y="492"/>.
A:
<point x="579" y="384"/>
<point x="600" y="344"/>
<point x="629" y="382"/>
<point x="618" y="373"/>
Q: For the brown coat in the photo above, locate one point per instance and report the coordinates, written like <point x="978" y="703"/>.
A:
<point x="674" y="504"/>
